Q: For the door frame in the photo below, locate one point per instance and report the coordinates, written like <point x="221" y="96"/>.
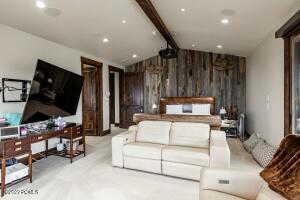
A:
<point x="125" y="107"/>
<point x="112" y="98"/>
<point x="99" y="93"/>
<point x="121" y="89"/>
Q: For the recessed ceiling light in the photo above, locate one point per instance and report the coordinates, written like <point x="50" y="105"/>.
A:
<point x="40" y="4"/>
<point x="154" y="32"/>
<point x="219" y="46"/>
<point x="193" y="45"/>
<point x="105" y="40"/>
<point x="124" y="21"/>
<point x="225" y="21"/>
<point x="182" y="9"/>
<point x="134" y="56"/>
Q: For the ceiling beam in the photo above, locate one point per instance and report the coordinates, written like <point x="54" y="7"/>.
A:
<point x="153" y="15"/>
<point x="291" y="24"/>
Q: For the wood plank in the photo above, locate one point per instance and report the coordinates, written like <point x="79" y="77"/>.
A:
<point x="153" y="15"/>
<point x="193" y="74"/>
<point x="213" y="120"/>
<point x="289" y="27"/>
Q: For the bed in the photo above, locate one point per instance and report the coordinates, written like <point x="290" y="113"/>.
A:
<point x="184" y="109"/>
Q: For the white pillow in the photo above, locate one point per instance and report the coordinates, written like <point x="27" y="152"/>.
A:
<point x="201" y="109"/>
<point x="174" y="109"/>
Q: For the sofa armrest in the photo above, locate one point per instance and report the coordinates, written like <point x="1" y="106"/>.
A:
<point x="219" y="150"/>
<point x="117" y="144"/>
<point x="234" y="182"/>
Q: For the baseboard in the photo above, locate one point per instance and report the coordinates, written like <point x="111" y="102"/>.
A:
<point x="106" y="132"/>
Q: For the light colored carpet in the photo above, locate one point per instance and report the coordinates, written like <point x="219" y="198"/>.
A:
<point x="93" y="177"/>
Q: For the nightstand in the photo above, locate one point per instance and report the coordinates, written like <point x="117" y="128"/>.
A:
<point x="230" y="127"/>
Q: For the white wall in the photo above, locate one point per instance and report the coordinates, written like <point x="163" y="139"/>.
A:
<point x="265" y="80"/>
<point x="19" y="52"/>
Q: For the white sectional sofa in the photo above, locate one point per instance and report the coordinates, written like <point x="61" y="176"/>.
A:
<point x="177" y="149"/>
<point x="232" y="184"/>
<point x="241" y="182"/>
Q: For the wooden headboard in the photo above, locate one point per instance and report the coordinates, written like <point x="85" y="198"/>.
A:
<point x="187" y="100"/>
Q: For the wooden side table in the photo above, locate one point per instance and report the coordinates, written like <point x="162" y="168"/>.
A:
<point x="11" y="149"/>
<point x="230" y="127"/>
<point x="73" y="134"/>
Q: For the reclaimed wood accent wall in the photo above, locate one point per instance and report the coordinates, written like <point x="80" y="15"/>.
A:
<point x="194" y="73"/>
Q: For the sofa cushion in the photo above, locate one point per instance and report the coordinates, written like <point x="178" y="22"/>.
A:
<point x="186" y="155"/>
<point x="154" y="132"/>
<point x="190" y="134"/>
<point x="210" y="194"/>
<point x="143" y="150"/>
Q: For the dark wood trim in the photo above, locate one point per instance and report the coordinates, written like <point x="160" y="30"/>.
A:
<point x="153" y="15"/>
<point x="121" y="87"/>
<point x="106" y="132"/>
<point x="87" y="61"/>
<point x="288" y="29"/>
<point x="117" y="124"/>
<point x="115" y="69"/>
<point x="186" y="100"/>
<point x="287" y="87"/>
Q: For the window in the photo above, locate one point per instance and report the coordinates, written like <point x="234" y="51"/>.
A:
<point x="295" y="83"/>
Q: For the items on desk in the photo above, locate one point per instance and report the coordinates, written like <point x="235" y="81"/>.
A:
<point x="60" y="122"/>
<point x="23" y="130"/>
<point x="4" y="122"/>
<point x="9" y="132"/>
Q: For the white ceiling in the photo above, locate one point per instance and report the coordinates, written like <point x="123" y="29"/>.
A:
<point x="201" y="23"/>
<point x="84" y="23"/>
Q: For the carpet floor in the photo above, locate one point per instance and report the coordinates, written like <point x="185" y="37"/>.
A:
<point x="93" y="177"/>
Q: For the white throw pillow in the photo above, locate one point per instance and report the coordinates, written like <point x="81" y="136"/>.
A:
<point x="201" y="109"/>
<point x="263" y="153"/>
<point x="251" y="142"/>
<point x="174" y="109"/>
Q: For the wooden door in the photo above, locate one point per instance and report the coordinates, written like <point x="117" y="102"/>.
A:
<point x="92" y="103"/>
<point x="133" y="101"/>
<point x="112" y="98"/>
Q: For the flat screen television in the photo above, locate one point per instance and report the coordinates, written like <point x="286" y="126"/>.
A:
<point x="54" y="92"/>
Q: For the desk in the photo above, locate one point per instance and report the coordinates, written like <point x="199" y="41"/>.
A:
<point x="20" y="146"/>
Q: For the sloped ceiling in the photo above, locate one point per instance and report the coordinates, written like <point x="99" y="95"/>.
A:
<point x="83" y="25"/>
